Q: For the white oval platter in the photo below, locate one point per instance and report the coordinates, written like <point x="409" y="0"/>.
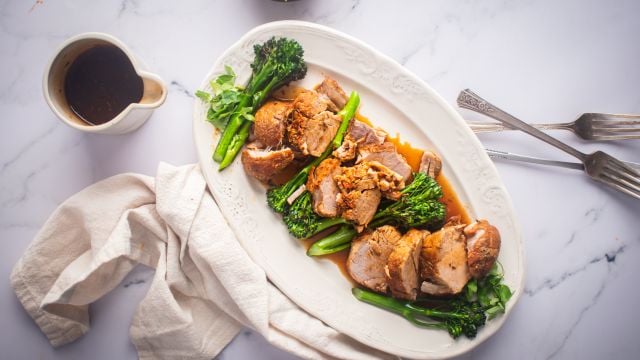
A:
<point x="399" y="102"/>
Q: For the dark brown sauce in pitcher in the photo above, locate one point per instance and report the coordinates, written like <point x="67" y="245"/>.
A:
<point x="100" y="83"/>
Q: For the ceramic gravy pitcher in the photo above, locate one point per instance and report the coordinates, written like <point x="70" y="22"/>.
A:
<point x="129" y="119"/>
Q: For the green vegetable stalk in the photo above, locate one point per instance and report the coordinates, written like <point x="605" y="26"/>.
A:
<point x="276" y="63"/>
<point x="277" y="197"/>
<point x="303" y="222"/>
<point x="337" y="241"/>
<point x="463" y="317"/>
<point x="464" y="314"/>
<point x="418" y="206"/>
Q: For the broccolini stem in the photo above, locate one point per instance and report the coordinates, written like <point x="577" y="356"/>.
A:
<point x="329" y="222"/>
<point x="382" y="301"/>
<point x="257" y="80"/>
<point x="230" y="131"/>
<point x="236" y="144"/>
<point x="277" y="197"/>
<point x="339" y="240"/>
<point x="260" y="96"/>
<point x="347" y="113"/>
<point x="402" y="307"/>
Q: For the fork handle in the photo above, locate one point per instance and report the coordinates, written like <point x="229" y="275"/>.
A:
<point x="469" y="100"/>
<point x="481" y="127"/>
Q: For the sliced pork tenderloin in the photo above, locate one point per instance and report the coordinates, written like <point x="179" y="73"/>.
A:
<point x="403" y="265"/>
<point x="389" y="182"/>
<point x="346" y="151"/>
<point x="483" y="247"/>
<point x="364" y="134"/>
<point x="443" y="261"/>
<point x="311" y="134"/>
<point x="358" y="134"/>
<point x="270" y="123"/>
<point x="309" y="103"/>
<point x="430" y="164"/>
<point x="331" y="89"/>
<point x="369" y="255"/>
<point x="323" y="188"/>
<point x="359" y="194"/>
<point x="264" y="164"/>
<point x="387" y="155"/>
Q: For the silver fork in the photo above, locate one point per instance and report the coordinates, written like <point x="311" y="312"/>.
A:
<point x="498" y="154"/>
<point x="589" y="126"/>
<point x="599" y="165"/>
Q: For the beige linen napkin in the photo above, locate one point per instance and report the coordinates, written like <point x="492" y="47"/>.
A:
<point x="205" y="287"/>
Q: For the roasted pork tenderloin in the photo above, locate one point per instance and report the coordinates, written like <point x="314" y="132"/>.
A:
<point x="443" y="261"/>
<point x="368" y="257"/>
<point x="270" y="123"/>
<point x="387" y="155"/>
<point x="323" y="188"/>
<point x="483" y="247"/>
<point x="403" y="265"/>
<point x="264" y="164"/>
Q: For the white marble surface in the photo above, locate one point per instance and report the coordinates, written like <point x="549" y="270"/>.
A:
<point x="542" y="61"/>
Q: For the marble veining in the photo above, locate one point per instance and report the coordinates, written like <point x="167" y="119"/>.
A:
<point x="179" y="88"/>
<point x="555" y="353"/>
<point x="540" y="61"/>
<point x="550" y="284"/>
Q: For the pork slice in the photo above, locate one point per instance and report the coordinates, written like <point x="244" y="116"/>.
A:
<point x="323" y="188"/>
<point x="320" y="131"/>
<point x="365" y="134"/>
<point x="264" y="164"/>
<point x="296" y="131"/>
<point x="346" y="151"/>
<point x="270" y="123"/>
<point x="358" y="134"/>
<point x="309" y="103"/>
<point x="430" y="164"/>
<point x="387" y="155"/>
<point x="359" y="194"/>
<point x="389" y="182"/>
<point x="360" y="206"/>
<point x="368" y="257"/>
<point x="434" y="289"/>
<point x="333" y="91"/>
<point x="483" y="247"/>
<point x="311" y="136"/>
<point x="443" y="261"/>
<point x="403" y="265"/>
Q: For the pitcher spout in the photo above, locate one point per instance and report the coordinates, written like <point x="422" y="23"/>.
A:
<point x="155" y="91"/>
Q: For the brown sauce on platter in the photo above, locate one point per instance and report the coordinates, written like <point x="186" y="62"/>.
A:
<point x="363" y="119"/>
<point x="449" y="197"/>
<point x="413" y="156"/>
<point x="339" y="258"/>
<point x="451" y="201"/>
<point x="100" y="83"/>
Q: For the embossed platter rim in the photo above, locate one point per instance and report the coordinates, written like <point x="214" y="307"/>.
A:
<point x="396" y="100"/>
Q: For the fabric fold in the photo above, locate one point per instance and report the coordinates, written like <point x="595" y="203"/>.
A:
<point x="205" y="287"/>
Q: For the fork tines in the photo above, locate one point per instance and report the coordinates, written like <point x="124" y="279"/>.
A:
<point x="615" y="127"/>
<point x="622" y="177"/>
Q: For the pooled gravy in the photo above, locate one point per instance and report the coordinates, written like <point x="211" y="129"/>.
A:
<point x="413" y="156"/>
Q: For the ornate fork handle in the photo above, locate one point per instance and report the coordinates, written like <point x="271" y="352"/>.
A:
<point x="480" y="127"/>
<point x="469" y="100"/>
